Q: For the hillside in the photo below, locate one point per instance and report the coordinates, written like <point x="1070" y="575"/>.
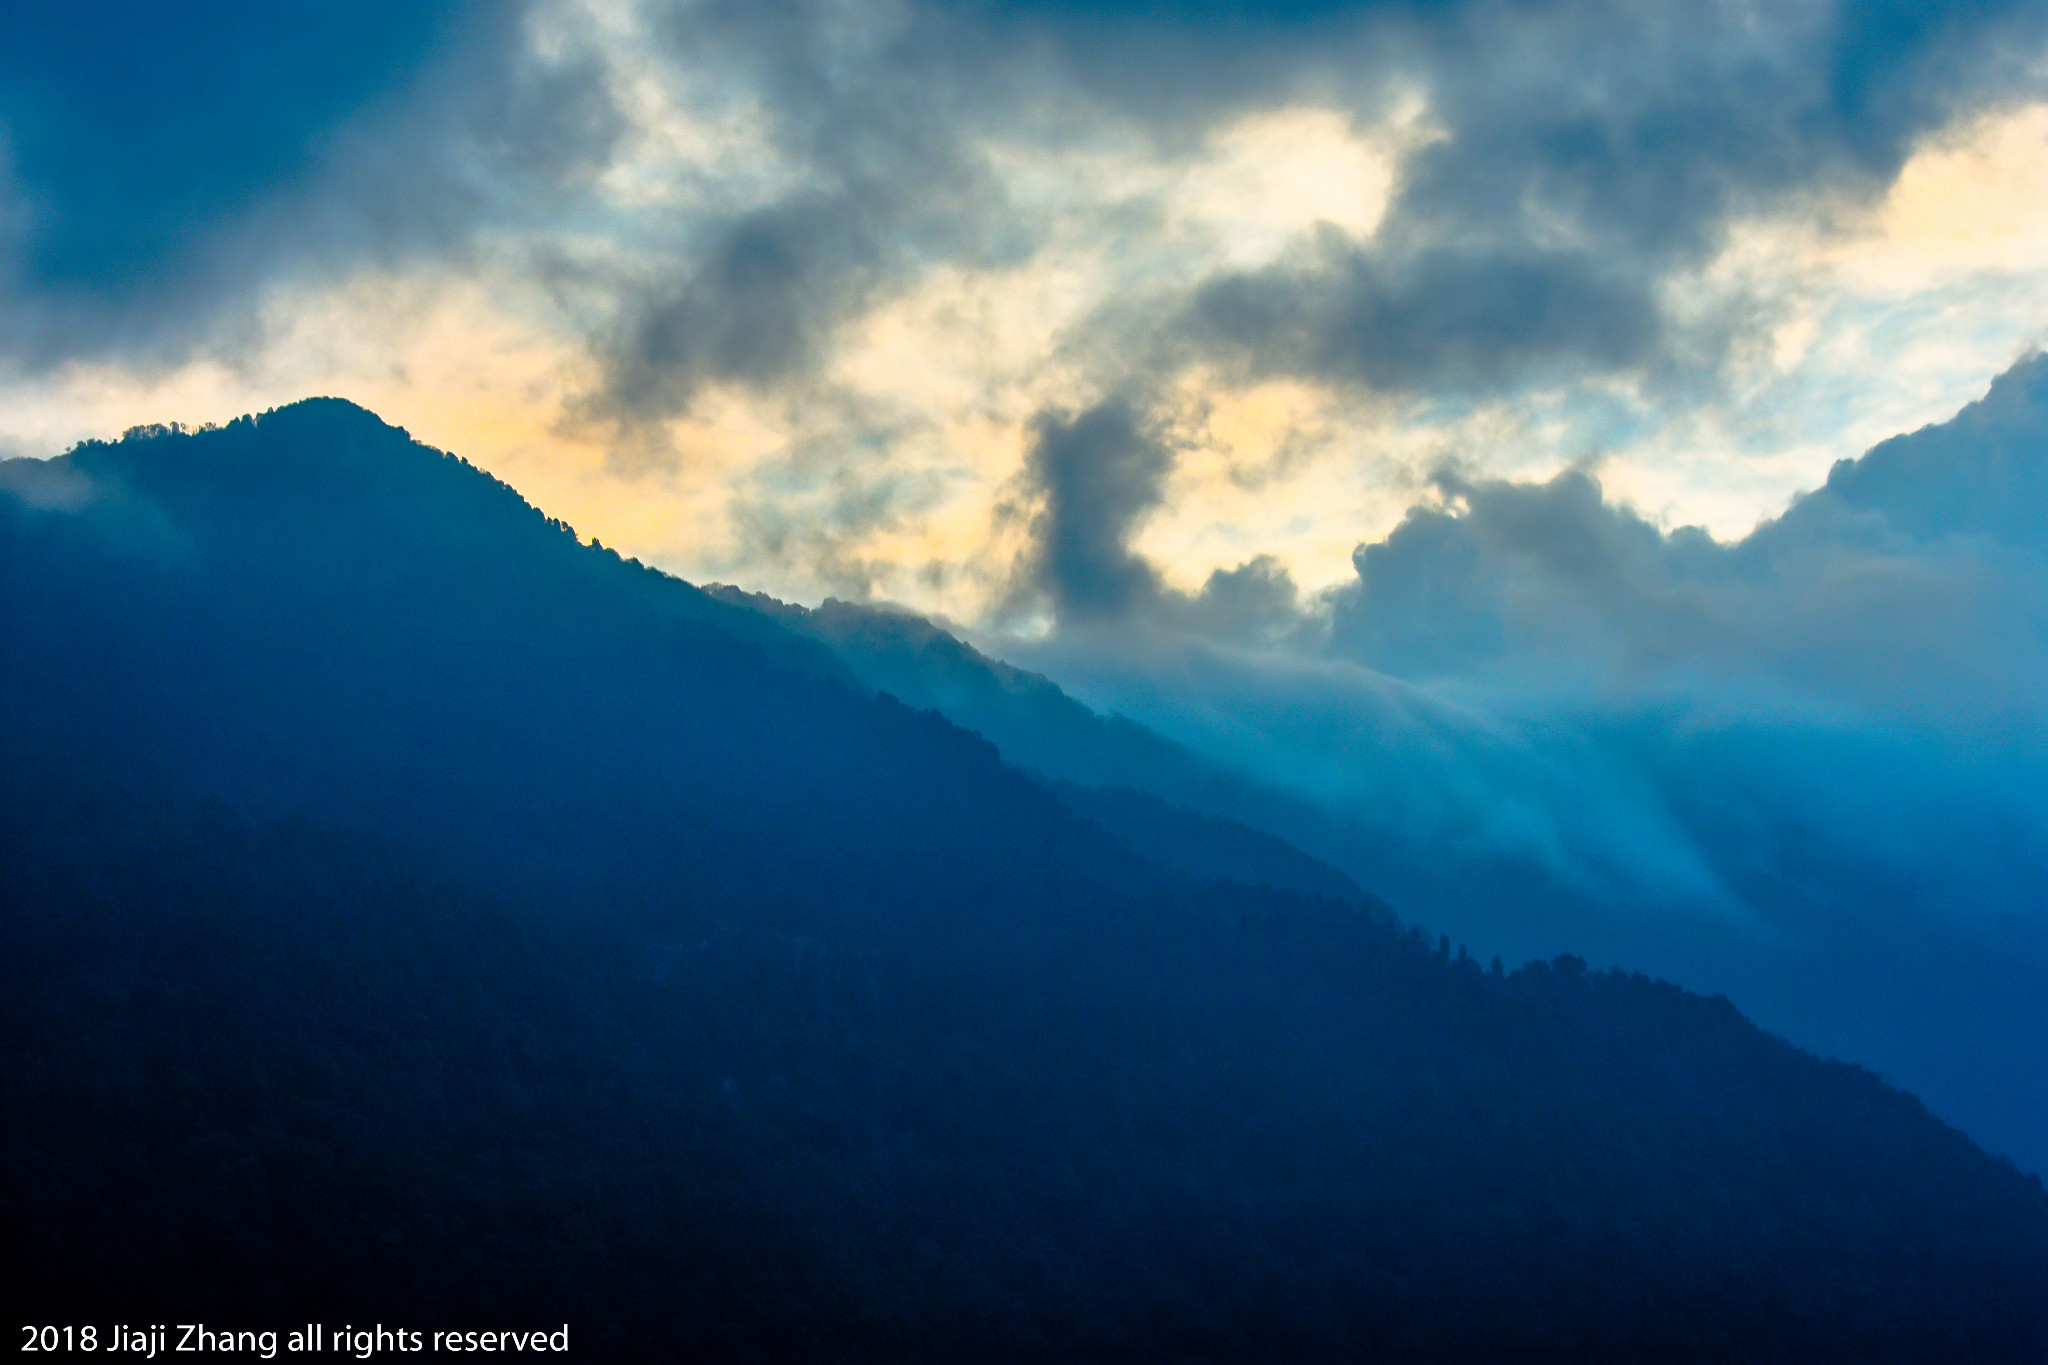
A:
<point x="1807" y="768"/>
<point x="412" y="913"/>
<point x="1183" y="811"/>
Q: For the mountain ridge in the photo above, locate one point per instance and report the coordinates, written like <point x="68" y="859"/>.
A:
<point x="1036" y="725"/>
<point x="411" y="913"/>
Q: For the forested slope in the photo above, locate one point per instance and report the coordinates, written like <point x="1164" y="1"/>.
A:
<point x="413" y="913"/>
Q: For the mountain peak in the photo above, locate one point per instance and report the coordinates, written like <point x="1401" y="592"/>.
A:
<point x="323" y="458"/>
<point x="328" y="413"/>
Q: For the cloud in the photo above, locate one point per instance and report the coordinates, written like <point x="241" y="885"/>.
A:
<point x="1911" y="584"/>
<point x="710" y="206"/>
<point x="1644" y="128"/>
<point x="1809" y="767"/>
<point x="755" y="311"/>
<point x="1548" y="185"/>
<point x="166" y="167"/>
<point x="1981" y="475"/>
<point x="1434" y="319"/>
<point x="1098" y="472"/>
<point x="1095" y="475"/>
<point x="1256" y="603"/>
<point x="1588" y="157"/>
<point x="866" y="117"/>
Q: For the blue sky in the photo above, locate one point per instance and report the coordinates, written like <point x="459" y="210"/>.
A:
<point x="1411" y="404"/>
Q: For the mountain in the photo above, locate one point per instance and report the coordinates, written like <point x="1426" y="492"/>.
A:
<point x="1182" y="811"/>
<point x="413" y="915"/>
<point x="1807" y="768"/>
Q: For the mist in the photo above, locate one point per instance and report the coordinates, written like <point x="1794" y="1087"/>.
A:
<point x="1808" y="768"/>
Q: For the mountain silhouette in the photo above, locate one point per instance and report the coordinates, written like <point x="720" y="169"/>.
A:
<point x="1179" y="809"/>
<point x="413" y="913"/>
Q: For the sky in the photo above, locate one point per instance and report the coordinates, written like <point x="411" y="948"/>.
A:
<point x="786" y="295"/>
<point x="1434" y="409"/>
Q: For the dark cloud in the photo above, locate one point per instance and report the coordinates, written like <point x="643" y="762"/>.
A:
<point x="1098" y="473"/>
<point x="1589" y="152"/>
<point x="159" y="167"/>
<point x="1642" y="128"/>
<point x="132" y="138"/>
<point x="161" y="161"/>
<point x="761" y="306"/>
<point x="1094" y="476"/>
<point x="873" y="116"/>
<point x="1439" y="318"/>
<point x="756" y="310"/>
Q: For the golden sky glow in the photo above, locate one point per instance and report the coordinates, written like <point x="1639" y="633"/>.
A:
<point x="894" y="470"/>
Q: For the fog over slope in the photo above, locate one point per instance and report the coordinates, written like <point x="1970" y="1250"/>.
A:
<point x="1809" y="767"/>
